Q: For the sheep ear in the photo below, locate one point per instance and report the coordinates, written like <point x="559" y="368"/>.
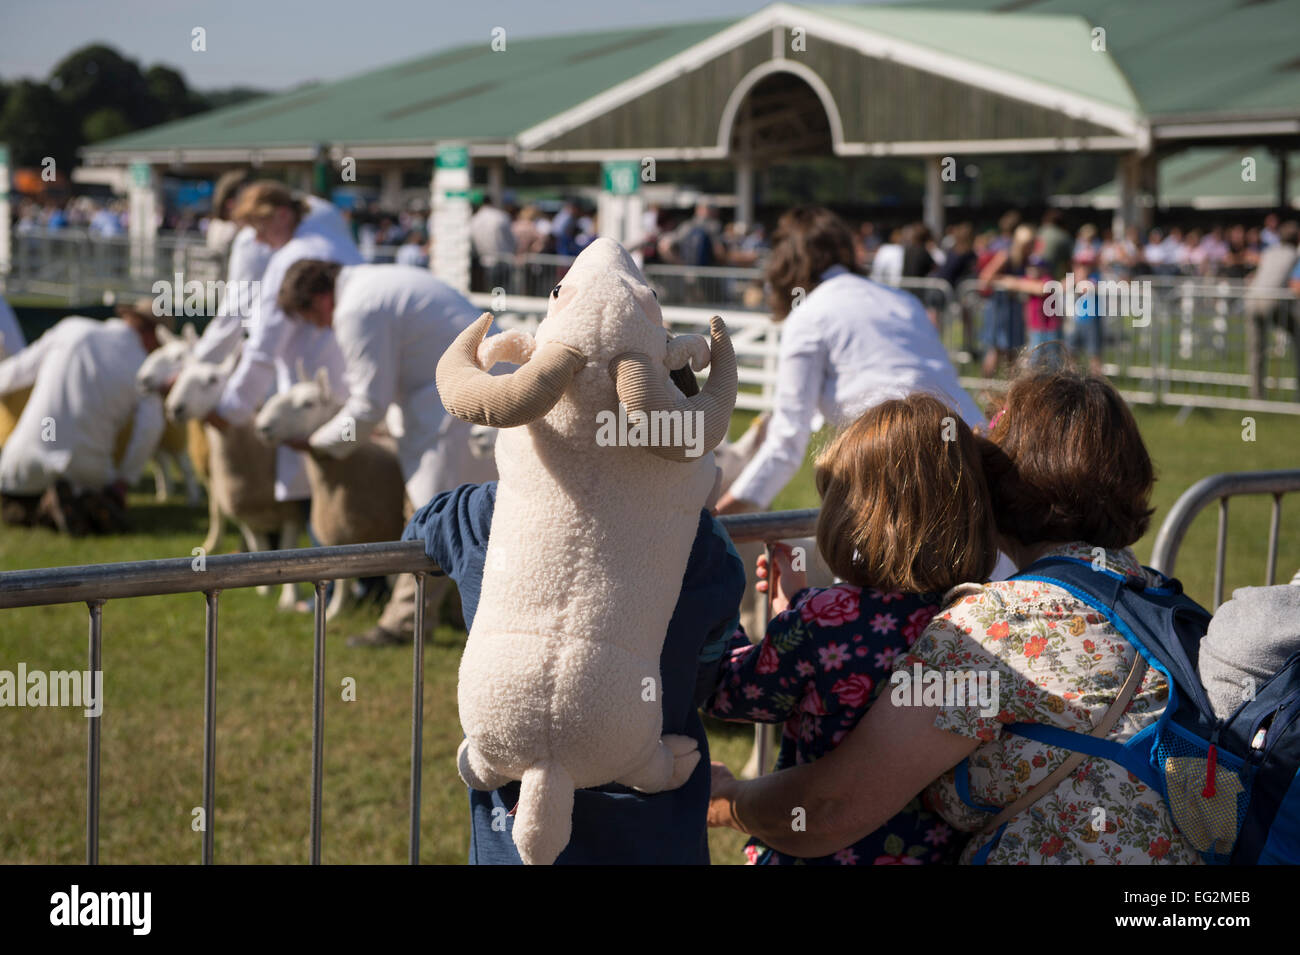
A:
<point x="229" y="364"/>
<point x="164" y="336"/>
<point x="323" y="381"/>
<point x="189" y="334"/>
<point x="302" y="371"/>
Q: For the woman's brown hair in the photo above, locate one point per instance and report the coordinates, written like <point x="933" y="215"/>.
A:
<point x="904" y="502"/>
<point x="808" y="241"/>
<point x="1066" y="462"/>
<point x="257" y="201"/>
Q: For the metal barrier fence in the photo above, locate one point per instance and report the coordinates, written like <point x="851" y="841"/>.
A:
<point x="97" y="584"/>
<point x="1219" y="487"/>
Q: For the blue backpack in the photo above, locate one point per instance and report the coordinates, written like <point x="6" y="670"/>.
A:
<point x="1231" y="785"/>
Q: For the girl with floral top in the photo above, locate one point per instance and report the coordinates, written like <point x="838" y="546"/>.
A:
<point x="905" y="516"/>
<point x="1068" y="476"/>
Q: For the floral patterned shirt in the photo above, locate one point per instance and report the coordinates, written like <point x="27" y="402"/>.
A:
<point x="817" y="670"/>
<point x="1059" y="662"/>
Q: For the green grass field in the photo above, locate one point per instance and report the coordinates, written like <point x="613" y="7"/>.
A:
<point x="153" y="665"/>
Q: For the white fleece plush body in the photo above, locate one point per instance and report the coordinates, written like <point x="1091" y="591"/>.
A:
<point x="559" y="683"/>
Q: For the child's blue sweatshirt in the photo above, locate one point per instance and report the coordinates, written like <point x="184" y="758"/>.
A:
<point x="612" y="824"/>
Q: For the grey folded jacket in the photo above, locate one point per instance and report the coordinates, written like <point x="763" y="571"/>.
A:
<point x="1249" y="638"/>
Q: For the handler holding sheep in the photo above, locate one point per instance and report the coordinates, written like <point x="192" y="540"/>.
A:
<point x="393" y="323"/>
<point x="276" y="346"/>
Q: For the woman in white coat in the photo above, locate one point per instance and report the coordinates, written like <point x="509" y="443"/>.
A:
<point x="275" y="345"/>
<point x="848" y="343"/>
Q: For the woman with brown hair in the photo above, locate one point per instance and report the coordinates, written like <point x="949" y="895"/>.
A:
<point x="848" y="343"/>
<point x="1069" y="477"/>
<point x="905" y="517"/>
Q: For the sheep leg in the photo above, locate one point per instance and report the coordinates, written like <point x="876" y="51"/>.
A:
<point x="256" y="542"/>
<point x="340" y="600"/>
<point x="161" y="483"/>
<point x="670" y="764"/>
<point x="289" y="533"/>
<point x="216" y="524"/>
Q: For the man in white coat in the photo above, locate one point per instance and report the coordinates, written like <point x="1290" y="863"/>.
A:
<point x="275" y="345"/>
<point x="393" y="323"/>
<point x="59" y="463"/>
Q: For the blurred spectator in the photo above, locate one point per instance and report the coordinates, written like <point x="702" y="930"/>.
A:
<point x="1264" y="308"/>
<point x="493" y="242"/>
<point x="1055" y="245"/>
<point x="413" y="251"/>
<point x="1004" y="320"/>
<point x="697" y="241"/>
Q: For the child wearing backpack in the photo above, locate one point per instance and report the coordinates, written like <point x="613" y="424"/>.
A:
<point x="905" y="516"/>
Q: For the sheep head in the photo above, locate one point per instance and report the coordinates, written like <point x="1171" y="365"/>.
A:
<point x="602" y="342"/>
<point x="298" y="412"/>
<point x="166" y="361"/>
<point x="198" y="389"/>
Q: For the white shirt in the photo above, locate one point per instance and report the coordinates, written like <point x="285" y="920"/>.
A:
<point x="393" y="323"/>
<point x="489" y="230"/>
<point x="246" y="266"/>
<point x="11" y="334"/>
<point x="84" y="393"/>
<point x="277" y="344"/>
<point x="851" y="344"/>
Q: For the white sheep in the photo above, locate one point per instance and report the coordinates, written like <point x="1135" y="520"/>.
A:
<point x="242" y="480"/>
<point x="173" y="451"/>
<point x="354" y="500"/>
<point x="589" y="541"/>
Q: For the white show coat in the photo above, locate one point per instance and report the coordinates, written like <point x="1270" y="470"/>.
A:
<point x="851" y="344"/>
<point x="84" y="392"/>
<point x="246" y="265"/>
<point x="11" y="335"/>
<point x="393" y="323"/>
<point x="277" y="344"/>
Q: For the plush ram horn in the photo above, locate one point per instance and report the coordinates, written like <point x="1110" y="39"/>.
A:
<point x="641" y="386"/>
<point x="503" y="401"/>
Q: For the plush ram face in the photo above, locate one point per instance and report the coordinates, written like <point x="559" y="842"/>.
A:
<point x="298" y="412"/>
<point x="602" y="342"/>
<point x="167" y="359"/>
<point x="198" y="388"/>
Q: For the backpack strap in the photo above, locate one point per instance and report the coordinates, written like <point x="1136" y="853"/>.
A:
<point x="1103" y="727"/>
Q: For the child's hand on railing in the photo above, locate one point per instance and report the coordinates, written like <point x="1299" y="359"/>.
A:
<point x="785" y="580"/>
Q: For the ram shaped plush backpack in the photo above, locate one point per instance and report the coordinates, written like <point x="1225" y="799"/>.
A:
<point x="1231" y="785"/>
<point x="590" y="536"/>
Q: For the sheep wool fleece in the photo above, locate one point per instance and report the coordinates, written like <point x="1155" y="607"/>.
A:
<point x="559" y="682"/>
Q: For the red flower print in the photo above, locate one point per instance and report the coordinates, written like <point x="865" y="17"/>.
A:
<point x="999" y="630"/>
<point x="812" y="703"/>
<point x="833" y="656"/>
<point x="1035" y="647"/>
<point x="752" y="691"/>
<point x="916" y="623"/>
<point x="833" y="607"/>
<point x="897" y="860"/>
<point x="751" y="855"/>
<point x="768" y="659"/>
<point x="884" y="622"/>
<point x="846" y="856"/>
<point x="853" y="690"/>
<point x="1052" y="846"/>
<point x="1159" y="848"/>
<point x="804" y="668"/>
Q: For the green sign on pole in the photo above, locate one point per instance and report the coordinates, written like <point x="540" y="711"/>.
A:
<point x="140" y="173"/>
<point x="622" y="176"/>
<point x="453" y="157"/>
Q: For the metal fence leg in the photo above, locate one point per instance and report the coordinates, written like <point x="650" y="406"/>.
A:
<point x="210" y="725"/>
<point x="318" y="723"/>
<point x="1273" y="527"/>
<point x="762" y="734"/>
<point x="417" y="718"/>
<point x="1220" y="552"/>
<point x="92" y="742"/>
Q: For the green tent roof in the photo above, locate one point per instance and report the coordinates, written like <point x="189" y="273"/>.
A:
<point x="1180" y="56"/>
<point x="470" y="92"/>
<point x="1208" y="178"/>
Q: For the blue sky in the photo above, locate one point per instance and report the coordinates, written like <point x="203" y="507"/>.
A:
<point x="275" y="44"/>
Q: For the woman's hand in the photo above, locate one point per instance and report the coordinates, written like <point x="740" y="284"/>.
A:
<point x="722" y="798"/>
<point x="785" y="580"/>
<point x="733" y="505"/>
